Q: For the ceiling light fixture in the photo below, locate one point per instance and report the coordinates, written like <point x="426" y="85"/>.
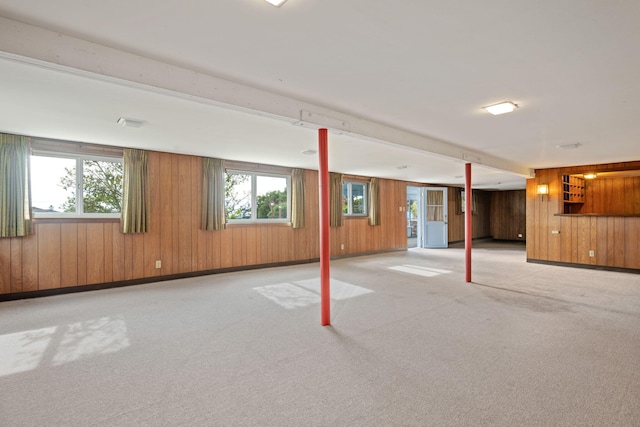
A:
<point x="501" y="108"/>
<point x="590" y="175"/>
<point x="276" y="3"/>
<point x="309" y="152"/>
<point x="130" y="123"/>
<point x="569" y="146"/>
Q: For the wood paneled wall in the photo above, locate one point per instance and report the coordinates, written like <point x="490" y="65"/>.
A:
<point x="358" y="236"/>
<point x="612" y="196"/>
<point x="481" y="226"/>
<point x="508" y="215"/>
<point x="69" y="253"/>
<point x="569" y="238"/>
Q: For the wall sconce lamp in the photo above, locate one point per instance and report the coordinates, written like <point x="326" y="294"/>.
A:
<point x="542" y="190"/>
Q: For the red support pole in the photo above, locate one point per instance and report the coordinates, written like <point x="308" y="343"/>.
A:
<point x="325" y="253"/>
<point x="468" y="221"/>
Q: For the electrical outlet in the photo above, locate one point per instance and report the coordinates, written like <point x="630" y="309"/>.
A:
<point x="158" y="264"/>
<point x="520" y="235"/>
<point x="342" y="246"/>
<point x="592" y="253"/>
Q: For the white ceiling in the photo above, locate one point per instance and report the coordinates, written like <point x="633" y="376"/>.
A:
<point x="422" y="67"/>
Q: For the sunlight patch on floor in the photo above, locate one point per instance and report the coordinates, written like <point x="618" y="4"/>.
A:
<point x="288" y="295"/>
<point x="23" y="351"/>
<point x="92" y="338"/>
<point x="419" y="271"/>
<point x="307" y="292"/>
<point x="26" y="350"/>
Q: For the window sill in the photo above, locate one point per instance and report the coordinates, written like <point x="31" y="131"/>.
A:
<point x="67" y="220"/>
<point x="258" y="224"/>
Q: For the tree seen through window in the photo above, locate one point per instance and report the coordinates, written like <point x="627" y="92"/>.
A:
<point x="251" y="196"/>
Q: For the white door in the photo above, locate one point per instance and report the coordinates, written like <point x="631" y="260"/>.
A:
<point x="436" y="229"/>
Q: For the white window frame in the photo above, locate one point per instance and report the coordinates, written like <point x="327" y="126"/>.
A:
<point x="349" y="185"/>
<point x="79" y="158"/>
<point x="254" y="206"/>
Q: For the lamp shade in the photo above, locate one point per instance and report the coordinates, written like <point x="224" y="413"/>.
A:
<point x="543" y="189"/>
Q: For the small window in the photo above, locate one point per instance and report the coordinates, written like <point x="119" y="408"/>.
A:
<point x="258" y="197"/>
<point x="68" y="185"/>
<point x="463" y="201"/>
<point x="354" y="198"/>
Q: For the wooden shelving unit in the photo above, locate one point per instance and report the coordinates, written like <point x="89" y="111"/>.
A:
<point x="572" y="193"/>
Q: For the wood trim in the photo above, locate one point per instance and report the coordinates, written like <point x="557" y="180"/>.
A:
<point x="256" y="168"/>
<point x="78" y="148"/>
<point x="256" y="224"/>
<point x="587" y="266"/>
<point x="598" y="215"/>
<point x="604" y="167"/>
<point x="37" y="220"/>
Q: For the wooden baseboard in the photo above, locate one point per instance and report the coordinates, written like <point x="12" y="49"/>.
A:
<point x="586" y="266"/>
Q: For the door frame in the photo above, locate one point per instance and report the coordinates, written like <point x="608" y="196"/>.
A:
<point x="423" y="220"/>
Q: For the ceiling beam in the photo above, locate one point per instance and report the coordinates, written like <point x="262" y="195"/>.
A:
<point x="56" y="51"/>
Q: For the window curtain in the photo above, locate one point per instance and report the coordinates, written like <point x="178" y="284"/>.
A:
<point x="297" y="198"/>
<point x="135" y="192"/>
<point x="374" y="202"/>
<point x="213" y="194"/>
<point x="335" y="199"/>
<point x="460" y="202"/>
<point x="474" y="202"/>
<point x="15" y="194"/>
<point x="435" y="205"/>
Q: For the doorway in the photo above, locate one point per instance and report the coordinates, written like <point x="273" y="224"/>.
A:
<point x="413" y="216"/>
<point x="436" y="229"/>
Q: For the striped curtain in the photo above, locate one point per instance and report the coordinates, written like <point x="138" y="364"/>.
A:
<point x="213" y="195"/>
<point x="135" y="192"/>
<point x="335" y="199"/>
<point x="297" y="198"/>
<point x="15" y="194"/>
<point x="374" y="202"/>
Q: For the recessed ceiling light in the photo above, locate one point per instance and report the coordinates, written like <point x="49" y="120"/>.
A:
<point x="276" y="3"/>
<point x="569" y="146"/>
<point x="130" y="123"/>
<point x="402" y="167"/>
<point x="501" y="108"/>
<point x="309" y="152"/>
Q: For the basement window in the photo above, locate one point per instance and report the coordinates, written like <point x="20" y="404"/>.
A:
<point x="354" y="198"/>
<point x="70" y="185"/>
<point x="257" y="197"/>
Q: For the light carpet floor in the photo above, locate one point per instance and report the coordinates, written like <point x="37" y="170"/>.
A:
<point x="411" y="344"/>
